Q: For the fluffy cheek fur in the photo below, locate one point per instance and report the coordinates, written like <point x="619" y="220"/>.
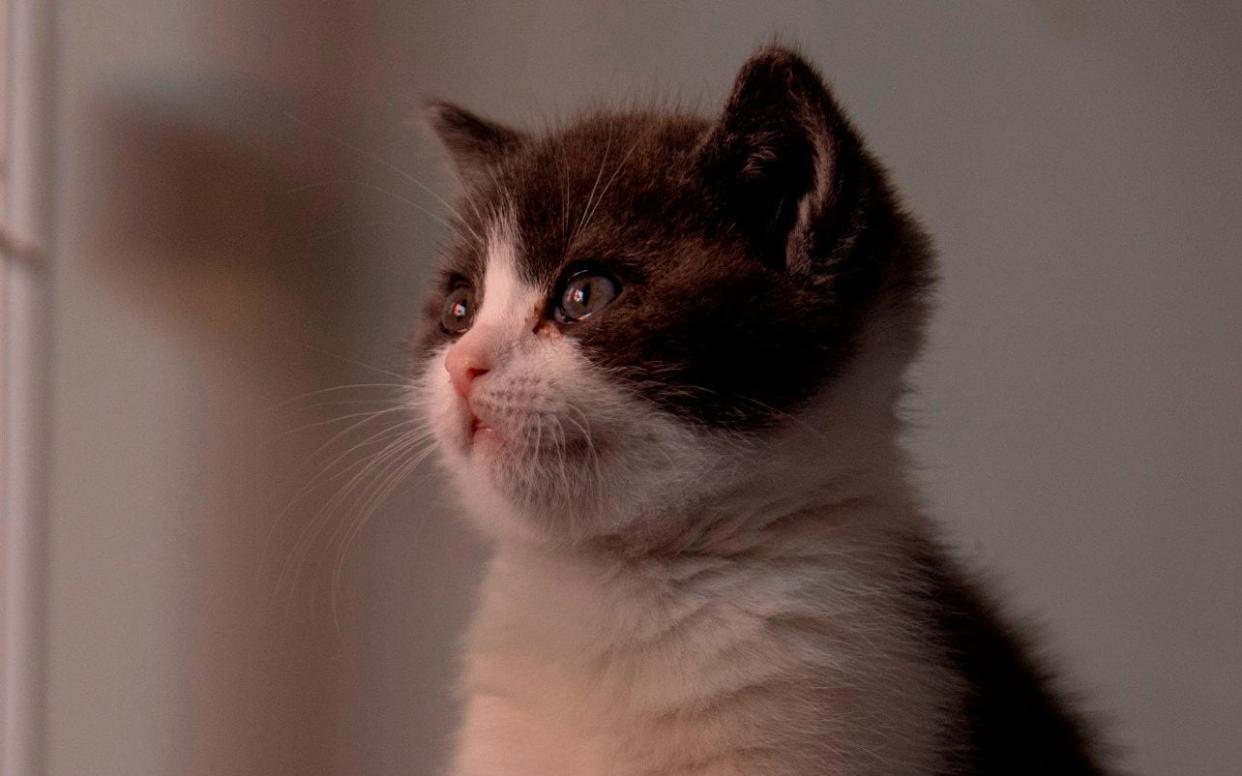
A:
<point x="574" y="457"/>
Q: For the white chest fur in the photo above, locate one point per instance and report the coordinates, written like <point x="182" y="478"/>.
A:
<point x="803" y="655"/>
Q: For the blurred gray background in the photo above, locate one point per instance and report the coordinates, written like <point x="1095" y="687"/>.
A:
<point x="242" y="218"/>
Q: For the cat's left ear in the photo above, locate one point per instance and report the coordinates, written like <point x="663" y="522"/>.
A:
<point x="781" y="161"/>
<point x="476" y="145"/>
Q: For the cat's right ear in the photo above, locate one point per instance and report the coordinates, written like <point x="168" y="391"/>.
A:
<point x="476" y="145"/>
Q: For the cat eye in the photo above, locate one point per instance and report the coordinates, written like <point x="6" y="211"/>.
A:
<point x="458" y="311"/>
<point x="585" y="294"/>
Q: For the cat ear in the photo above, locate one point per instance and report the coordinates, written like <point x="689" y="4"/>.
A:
<point x="476" y="144"/>
<point x="777" y="156"/>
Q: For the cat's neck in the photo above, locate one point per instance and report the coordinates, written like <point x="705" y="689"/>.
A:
<point x="785" y="549"/>
<point x="789" y="508"/>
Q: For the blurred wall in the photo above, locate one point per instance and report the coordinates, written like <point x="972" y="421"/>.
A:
<point x="198" y="285"/>
<point x="244" y="218"/>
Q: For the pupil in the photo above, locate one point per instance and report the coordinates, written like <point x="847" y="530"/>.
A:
<point x="580" y="295"/>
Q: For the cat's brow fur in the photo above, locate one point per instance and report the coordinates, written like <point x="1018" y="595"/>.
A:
<point x="708" y="558"/>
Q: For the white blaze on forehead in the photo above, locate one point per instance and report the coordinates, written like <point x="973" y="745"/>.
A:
<point x="508" y="299"/>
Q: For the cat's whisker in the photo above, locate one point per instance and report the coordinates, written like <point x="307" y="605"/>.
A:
<point x="324" y="470"/>
<point x="368" y="414"/>
<point x="446" y="222"/>
<point x="564" y="166"/>
<point x="491" y="217"/>
<point x="591" y="197"/>
<point x="356" y="425"/>
<point x="373" y="474"/>
<point x="405" y="461"/>
<point x="347" y="228"/>
<point x="324" y="514"/>
<point x="560" y="446"/>
<point x="376" y="158"/>
<point x="353" y="402"/>
<point x="406" y="386"/>
<point x="326" y="475"/>
<point x="311" y="526"/>
<point x="593" y="454"/>
<point x="620" y="165"/>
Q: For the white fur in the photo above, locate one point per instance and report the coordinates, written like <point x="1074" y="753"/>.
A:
<point x="671" y="601"/>
<point x="508" y="300"/>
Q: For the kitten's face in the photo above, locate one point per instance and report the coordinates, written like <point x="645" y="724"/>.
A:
<point x="635" y="305"/>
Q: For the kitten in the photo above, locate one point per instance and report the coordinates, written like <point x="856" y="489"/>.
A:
<point x="661" y="366"/>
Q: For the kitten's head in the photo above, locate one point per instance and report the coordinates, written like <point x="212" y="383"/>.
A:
<point x="644" y="309"/>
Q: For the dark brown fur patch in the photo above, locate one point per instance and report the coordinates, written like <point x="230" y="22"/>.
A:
<point x="737" y="303"/>
<point x="1015" y="722"/>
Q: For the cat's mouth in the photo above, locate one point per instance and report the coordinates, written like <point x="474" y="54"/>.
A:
<point x="493" y="430"/>
<point x="488" y="428"/>
<point x="482" y="432"/>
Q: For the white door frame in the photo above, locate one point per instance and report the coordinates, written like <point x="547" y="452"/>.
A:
<point x="27" y="95"/>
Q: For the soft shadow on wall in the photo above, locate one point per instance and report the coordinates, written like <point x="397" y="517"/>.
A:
<point x="202" y="235"/>
<point x="213" y="270"/>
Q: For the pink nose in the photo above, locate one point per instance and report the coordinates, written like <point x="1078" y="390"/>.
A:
<point x="466" y="361"/>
